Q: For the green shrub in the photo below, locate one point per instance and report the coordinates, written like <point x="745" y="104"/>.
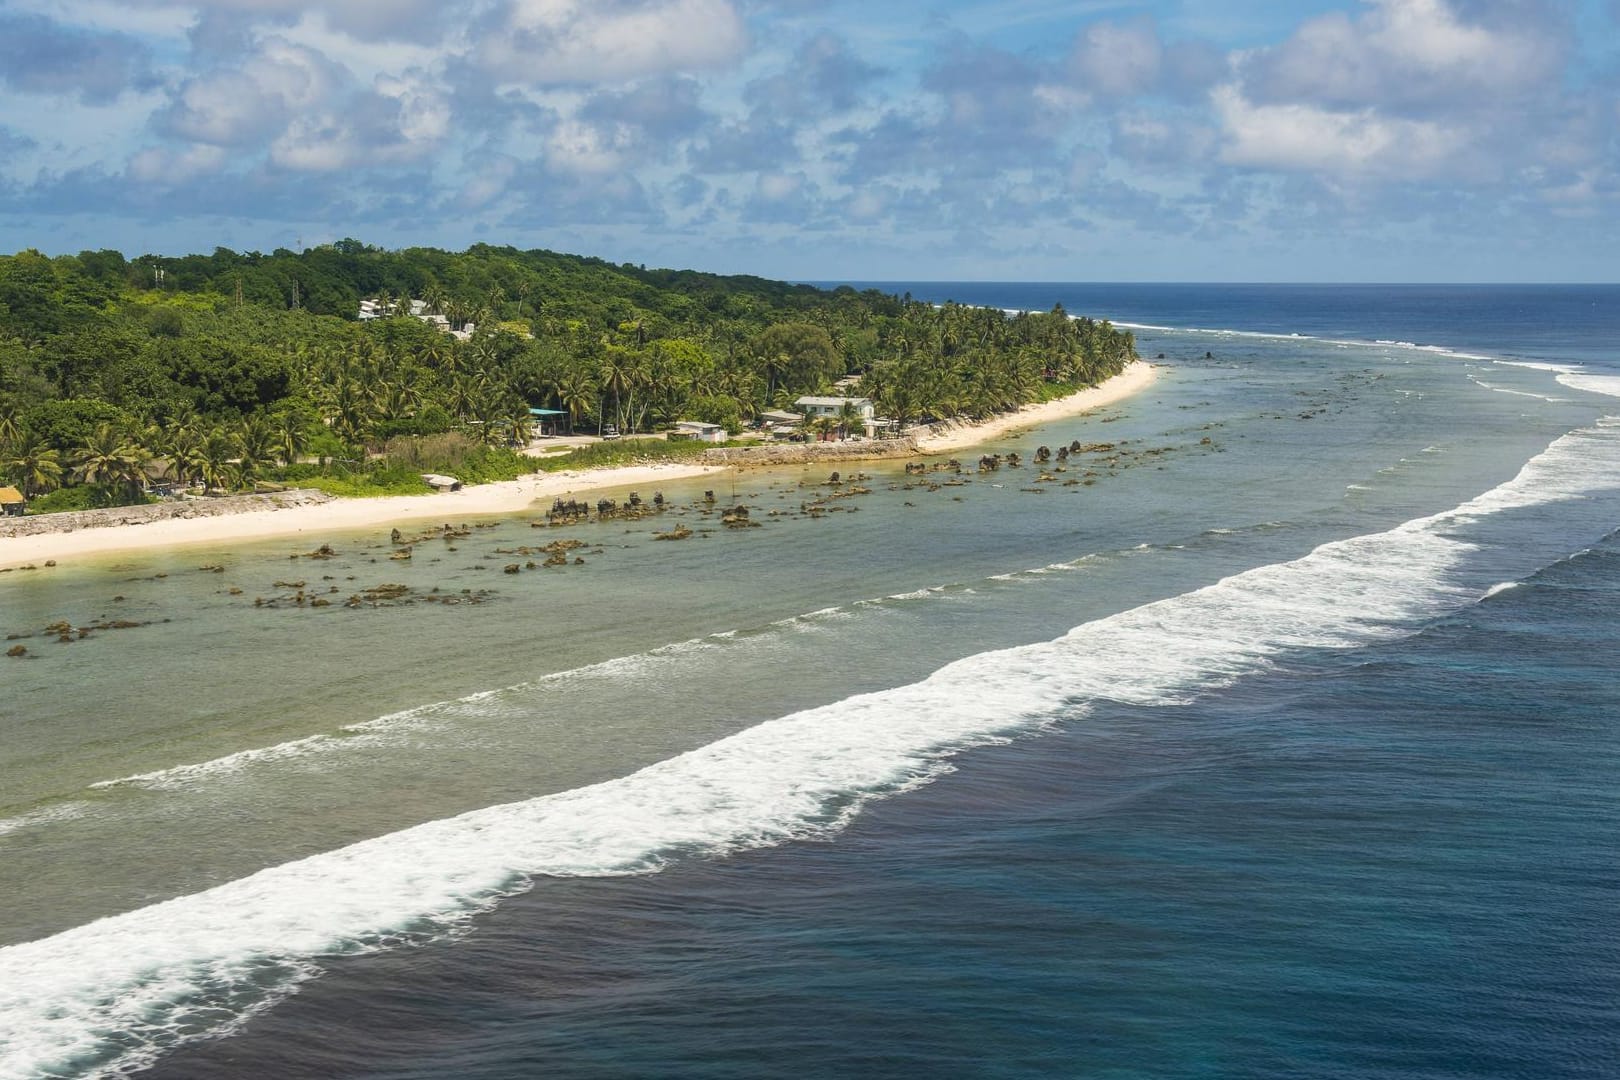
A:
<point x="65" y="499"/>
<point x="80" y="497"/>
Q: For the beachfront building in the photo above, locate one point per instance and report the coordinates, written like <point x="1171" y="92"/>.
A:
<point x="12" y="503"/>
<point x="780" y="423"/>
<point x="697" y="429"/>
<point x="865" y="412"/>
<point x="549" y="422"/>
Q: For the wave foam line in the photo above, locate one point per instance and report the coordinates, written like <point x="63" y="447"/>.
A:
<point x="1271" y="335"/>
<point x="1608" y="385"/>
<point x="373" y="733"/>
<point x="1482" y="384"/>
<point x="46" y="816"/>
<point x="1542" y="365"/>
<point x="116" y="993"/>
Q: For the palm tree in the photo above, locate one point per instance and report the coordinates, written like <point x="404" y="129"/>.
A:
<point x="485" y="353"/>
<point x="348" y="409"/>
<point x="459" y="396"/>
<point x="435" y="297"/>
<point x="10" y="425"/>
<point x="434" y="352"/>
<point x="216" y="467"/>
<point x="516" y="429"/>
<point x="184" y="449"/>
<point x="488" y="409"/>
<point x="255" y="444"/>
<point x="848" y="417"/>
<point x="618" y="377"/>
<point x="34" y="462"/>
<point x="397" y="400"/>
<point x="576" y="391"/>
<point x="110" y="460"/>
<point x="456" y="312"/>
<point x="292" y="437"/>
<point x="900" y="401"/>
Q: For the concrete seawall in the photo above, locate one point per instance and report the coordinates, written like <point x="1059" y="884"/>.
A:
<point x="163" y="511"/>
<point x="810" y="453"/>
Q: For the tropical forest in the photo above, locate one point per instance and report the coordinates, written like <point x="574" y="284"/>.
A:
<point x="355" y="369"/>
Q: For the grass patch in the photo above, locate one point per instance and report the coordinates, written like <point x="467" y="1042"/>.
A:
<point x="624" y="452"/>
<point x="406" y="458"/>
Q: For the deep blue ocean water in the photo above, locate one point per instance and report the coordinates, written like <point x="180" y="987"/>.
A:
<point x="1564" y="323"/>
<point x="1384" y="855"/>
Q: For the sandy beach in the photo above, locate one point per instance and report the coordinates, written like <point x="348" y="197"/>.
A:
<point x="314" y="522"/>
<point x="1135" y="378"/>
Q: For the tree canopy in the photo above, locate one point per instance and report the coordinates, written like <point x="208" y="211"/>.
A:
<point x="183" y="358"/>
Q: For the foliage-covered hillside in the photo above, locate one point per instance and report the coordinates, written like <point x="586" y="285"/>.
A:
<point x="229" y="368"/>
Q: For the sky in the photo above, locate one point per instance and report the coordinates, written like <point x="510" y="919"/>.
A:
<point x="1081" y="140"/>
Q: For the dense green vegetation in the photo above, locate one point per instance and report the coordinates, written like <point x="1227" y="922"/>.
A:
<point x="229" y="370"/>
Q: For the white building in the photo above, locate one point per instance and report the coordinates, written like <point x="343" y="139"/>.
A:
<point x="813" y="407"/>
<point x="373" y="309"/>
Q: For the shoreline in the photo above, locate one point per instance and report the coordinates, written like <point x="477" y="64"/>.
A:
<point x="1137" y="376"/>
<point x="503" y="497"/>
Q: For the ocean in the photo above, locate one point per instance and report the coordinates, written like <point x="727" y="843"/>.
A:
<point x="1275" y="735"/>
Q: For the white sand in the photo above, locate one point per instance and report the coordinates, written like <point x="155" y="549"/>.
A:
<point x="1136" y="377"/>
<point x="313" y="522"/>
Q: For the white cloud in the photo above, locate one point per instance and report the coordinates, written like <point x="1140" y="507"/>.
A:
<point x="240" y="105"/>
<point x="401" y="120"/>
<point x="594" y="41"/>
<point x="308" y="111"/>
<point x="1407" y="53"/>
<point x="1353" y="143"/>
<point x="1118" y="60"/>
<point x="775" y="187"/>
<point x="163" y="165"/>
<point x="489" y="183"/>
<point x="588" y="149"/>
<point x="423" y="116"/>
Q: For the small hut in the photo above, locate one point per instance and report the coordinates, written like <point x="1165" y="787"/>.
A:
<point x="12" y="503"/>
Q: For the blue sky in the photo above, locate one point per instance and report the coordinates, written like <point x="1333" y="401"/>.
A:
<point x="1317" y="140"/>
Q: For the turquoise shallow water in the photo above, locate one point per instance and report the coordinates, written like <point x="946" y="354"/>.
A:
<point x="1318" y="810"/>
